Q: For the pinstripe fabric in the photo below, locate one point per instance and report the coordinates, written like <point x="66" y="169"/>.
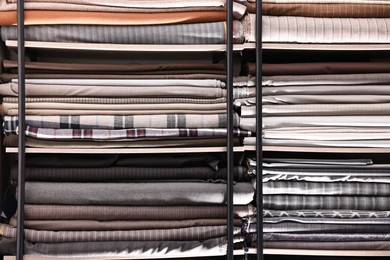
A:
<point x="339" y="214"/>
<point x="183" y="234"/>
<point x="110" y="212"/>
<point x="323" y="188"/>
<point x="293" y="202"/>
<point x="201" y="33"/>
<point x="338" y="10"/>
<point x="324" y="30"/>
<point x="126" y="173"/>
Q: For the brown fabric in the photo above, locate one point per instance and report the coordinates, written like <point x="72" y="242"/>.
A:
<point x="315" y="68"/>
<point x="33" y="17"/>
<point x="110" y="213"/>
<point x="81" y="68"/>
<point x="327" y="10"/>
<point x="94" y="225"/>
<point x="251" y="7"/>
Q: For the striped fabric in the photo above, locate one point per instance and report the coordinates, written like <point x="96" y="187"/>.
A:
<point x="201" y="33"/>
<point x="122" y="122"/>
<point x="183" y="234"/>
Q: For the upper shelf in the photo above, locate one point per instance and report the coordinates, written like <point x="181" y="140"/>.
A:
<point x="326" y="47"/>
<point x="131" y="47"/>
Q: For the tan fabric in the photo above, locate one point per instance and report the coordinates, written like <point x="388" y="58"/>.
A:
<point x="104" y="18"/>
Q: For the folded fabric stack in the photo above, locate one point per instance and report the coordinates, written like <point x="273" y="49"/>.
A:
<point x="82" y="205"/>
<point x="328" y="104"/>
<point x="326" y="204"/>
<point x="322" y="21"/>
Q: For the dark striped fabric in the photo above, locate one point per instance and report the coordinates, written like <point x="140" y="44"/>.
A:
<point x="197" y="33"/>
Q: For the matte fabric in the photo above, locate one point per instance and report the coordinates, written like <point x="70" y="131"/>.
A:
<point x="93" y="225"/>
<point x="142" y="193"/>
<point x="179" y="234"/>
<point x="326" y="90"/>
<point x="108" y="174"/>
<point x="332" y="220"/>
<point x="294" y="202"/>
<point x="339" y="10"/>
<point x="197" y="33"/>
<point x="339" y="100"/>
<point x="338" y="214"/>
<point x="361" y="245"/>
<point x="294" y="227"/>
<point x="326" y="237"/>
<point x="37" y="17"/>
<point x="112" y="213"/>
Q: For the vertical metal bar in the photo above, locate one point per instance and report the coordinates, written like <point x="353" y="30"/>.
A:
<point x="21" y="134"/>
<point x="230" y="140"/>
<point x="259" y="123"/>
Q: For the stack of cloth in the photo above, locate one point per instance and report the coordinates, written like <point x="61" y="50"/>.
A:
<point x="84" y="205"/>
<point x="329" y="204"/>
<point x="326" y="104"/>
<point x="123" y="22"/>
<point x="322" y="21"/>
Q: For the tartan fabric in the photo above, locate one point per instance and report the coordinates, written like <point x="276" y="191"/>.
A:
<point x="121" y="122"/>
<point x="119" y="134"/>
<point x="324" y="188"/>
<point x="183" y="234"/>
<point x="111" y="213"/>
<point x="294" y="202"/>
<point x="197" y="33"/>
<point x="339" y="214"/>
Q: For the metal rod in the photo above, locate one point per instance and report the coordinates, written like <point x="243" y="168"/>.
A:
<point x="21" y="134"/>
<point x="259" y="123"/>
<point x="230" y="137"/>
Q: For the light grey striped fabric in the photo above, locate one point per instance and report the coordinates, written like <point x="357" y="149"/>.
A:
<point x="192" y="233"/>
<point x="325" y="30"/>
<point x="325" y="188"/>
<point x="198" y="33"/>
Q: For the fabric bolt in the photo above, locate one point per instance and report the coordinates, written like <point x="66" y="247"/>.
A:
<point x="179" y="234"/>
<point x="142" y="193"/>
<point x="338" y="214"/>
<point x="197" y="33"/>
<point x="377" y="143"/>
<point x="293" y="202"/>
<point x="317" y="163"/>
<point x="384" y="2"/>
<point x="326" y="90"/>
<point x="93" y="225"/>
<point x="214" y="246"/>
<point x="340" y="221"/>
<point x="360" y="245"/>
<point x="63" y="174"/>
<point x="322" y="188"/>
<point x="322" y="30"/>
<point x="122" y="122"/>
<point x="339" y="10"/>
<point x="325" y="237"/>
<point x="40" y="90"/>
<point x="377" y="102"/>
<point x="114" y="213"/>
<point x="38" y="17"/>
<point x="294" y="227"/>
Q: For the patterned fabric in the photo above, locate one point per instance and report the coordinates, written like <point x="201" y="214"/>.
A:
<point x="109" y="134"/>
<point x="347" y="214"/>
<point x="201" y="33"/>
<point x="121" y="122"/>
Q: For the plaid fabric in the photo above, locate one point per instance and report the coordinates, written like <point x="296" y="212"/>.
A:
<point x="296" y="202"/>
<point x="324" y="188"/>
<point x="109" y="134"/>
<point x="192" y="233"/>
<point x="121" y="122"/>
<point x="347" y="214"/>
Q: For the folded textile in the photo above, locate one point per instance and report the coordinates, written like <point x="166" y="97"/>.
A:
<point x="122" y="122"/>
<point x="338" y="10"/>
<point x="142" y="193"/>
<point x="383" y="2"/>
<point x="327" y="237"/>
<point x="338" y="214"/>
<point x="324" y="188"/>
<point x="198" y="33"/>
<point x="361" y="163"/>
<point x="321" y="30"/>
<point x="127" y="173"/>
<point x="359" y="245"/>
<point x="294" y="227"/>
<point x="332" y="220"/>
<point x="112" y="213"/>
<point x="327" y="178"/>
<point x="326" y="90"/>
<point x="94" y="225"/>
<point x="294" y="202"/>
<point x="377" y="143"/>
<point x="183" y="234"/>
<point x="343" y="101"/>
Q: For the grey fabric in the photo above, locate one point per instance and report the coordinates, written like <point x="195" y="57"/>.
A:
<point x="142" y="193"/>
<point x="294" y="227"/>
<point x="333" y="220"/>
<point x="293" y="202"/>
<point x="326" y="237"/>
<point x="361" y="245"/>
<point x="328" y="89"/>
<point x="340" y="100"/>
<point x="342" y="178"/>
<point x="337" y="214"/>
